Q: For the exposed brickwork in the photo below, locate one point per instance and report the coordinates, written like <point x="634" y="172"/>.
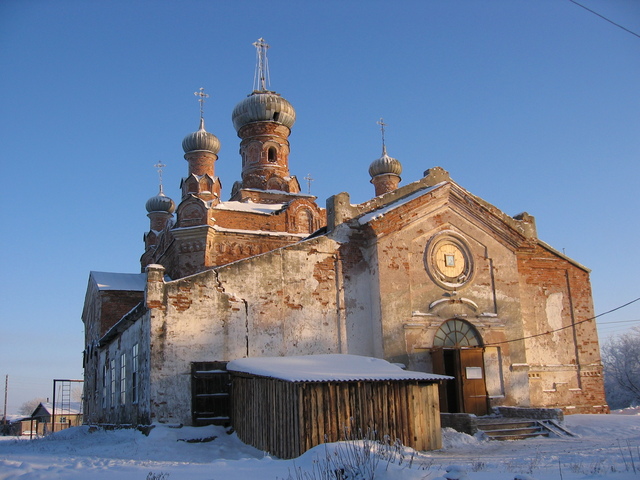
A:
<point x="578" y="387"/>
<point x="265" y="157"/>
<point x="114" y="305"/>
<point x="385" y="183"/>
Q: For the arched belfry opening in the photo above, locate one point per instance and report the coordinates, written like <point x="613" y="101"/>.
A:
<point x="458" y="352"/>
<point x="272" y="154"/>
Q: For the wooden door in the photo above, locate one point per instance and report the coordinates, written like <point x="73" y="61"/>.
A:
<point x="437" y="364"/>
<point x="474" y="390"/>
<point x="446" y="361"/>
<point x="210" y="393"/>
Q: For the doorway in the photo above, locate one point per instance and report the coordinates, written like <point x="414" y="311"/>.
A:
<point x="457" y="351"/>
<point x="210" y="394"/>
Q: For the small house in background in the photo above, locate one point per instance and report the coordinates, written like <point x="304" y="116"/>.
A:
<point x="69" y="416"/>
<point x="12" y="425"/>
<point x="287" y="405"/>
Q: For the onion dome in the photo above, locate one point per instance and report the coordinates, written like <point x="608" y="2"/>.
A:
<point x="201" y="141"/>
<point x="385" y="165"/>
<point x="263" y="106"/>
<point x="160" y="203"/>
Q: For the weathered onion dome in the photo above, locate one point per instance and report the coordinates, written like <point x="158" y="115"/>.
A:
<point x="385" y="165"/>
<point x="160" y="203"/>
<point x="201" y="140"/>
<point x="263" y="106"/>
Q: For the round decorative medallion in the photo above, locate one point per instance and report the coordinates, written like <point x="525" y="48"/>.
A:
<point x="448" y="260"/>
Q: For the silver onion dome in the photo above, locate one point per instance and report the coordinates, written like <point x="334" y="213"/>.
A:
<point x="385" y="165"/>
<point x="160" y="203"/>
<point x="263" y="106"/>
<point x="201" y="140"/>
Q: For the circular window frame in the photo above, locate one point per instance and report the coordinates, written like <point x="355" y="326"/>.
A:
<point x="438" y="276"/>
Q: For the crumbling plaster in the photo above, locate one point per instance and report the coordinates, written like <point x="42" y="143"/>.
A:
<point x="280" y="303"/>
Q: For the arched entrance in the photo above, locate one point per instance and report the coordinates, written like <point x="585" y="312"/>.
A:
<point x="457" y="351"/>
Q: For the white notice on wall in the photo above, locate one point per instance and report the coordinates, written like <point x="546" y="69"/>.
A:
<point x="474" y="373"/>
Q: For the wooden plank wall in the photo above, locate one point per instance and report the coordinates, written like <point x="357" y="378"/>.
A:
<point x="264" y="414"/>
<point x="286" y="419"/>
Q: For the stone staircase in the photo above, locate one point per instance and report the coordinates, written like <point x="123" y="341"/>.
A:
<point x="500" y="428"/>
<point x="509" y="423"/>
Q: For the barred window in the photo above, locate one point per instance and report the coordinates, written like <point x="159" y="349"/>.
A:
<point x="134" y="374"/>
<point x="123" y="378"/>
<point x="105" y="373"/>
<point x="113" y="382"/>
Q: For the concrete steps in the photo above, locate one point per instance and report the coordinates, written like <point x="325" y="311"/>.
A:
<point x="511" y="429"/>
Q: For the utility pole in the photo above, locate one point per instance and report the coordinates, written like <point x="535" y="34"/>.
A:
<point x="6" y="388"/>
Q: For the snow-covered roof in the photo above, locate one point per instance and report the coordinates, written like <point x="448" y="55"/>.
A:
<point x="259" y="232"/>
<point x="380" y="212"/>
<point x="133" y="282"/>
<point x="327" y="368"/>
<point x="71" y="408"/>
<point x="261" y="208"/>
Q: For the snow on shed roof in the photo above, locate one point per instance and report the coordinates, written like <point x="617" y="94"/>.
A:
<point x="133" y="282"/>
<point x="327" y="368"/>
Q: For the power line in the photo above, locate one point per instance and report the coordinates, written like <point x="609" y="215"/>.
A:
<point x="604" y="324"/>
<point x="566" y="326"/>
<point x="605" y="18"/>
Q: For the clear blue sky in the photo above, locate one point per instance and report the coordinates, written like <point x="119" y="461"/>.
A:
<point x="532" y="105"/>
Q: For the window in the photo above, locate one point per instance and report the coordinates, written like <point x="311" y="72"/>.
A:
<point x="134" y="374"/>
<point x="304" y="221"/>
<point x="123" y="378"/>
<point x="272" y="154"/>
<point x="449" y="260"/>
<point x="456" y="333"/>
<point x="105" y="372"/>
<point x="112" y="369"/>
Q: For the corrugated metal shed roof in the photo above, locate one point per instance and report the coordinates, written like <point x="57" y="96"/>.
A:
<point x="327" y="368"/>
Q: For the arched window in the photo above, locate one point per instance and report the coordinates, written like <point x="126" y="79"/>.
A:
<point x="272" y="154"/>
<point x="457" y="333"/>
<point x="304" y="221"/>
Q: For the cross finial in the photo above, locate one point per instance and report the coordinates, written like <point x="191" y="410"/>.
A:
<point x="159" y="166"/>
<point x="309" y="179"/>
<point x="200" y="93"/>
<point x="261" y="77"/>
<point x="382" y="125"/>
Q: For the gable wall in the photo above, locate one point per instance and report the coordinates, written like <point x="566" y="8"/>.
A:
<point x="102" y="310"/>
<point x="413" y="306"/>
<point x="280" y="303"/>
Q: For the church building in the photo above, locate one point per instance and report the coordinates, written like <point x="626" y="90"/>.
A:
<point x="426" y="275"/>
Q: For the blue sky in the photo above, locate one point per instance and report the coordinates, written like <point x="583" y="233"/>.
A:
<point x="532" y="105"/>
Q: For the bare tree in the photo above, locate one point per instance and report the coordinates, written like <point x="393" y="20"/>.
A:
<point x="621" y="361"/>
<point x="76" y="392"/>
<point x="29" y="406"/>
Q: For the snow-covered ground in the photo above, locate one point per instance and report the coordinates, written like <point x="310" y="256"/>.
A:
<point x="608" y="446"/>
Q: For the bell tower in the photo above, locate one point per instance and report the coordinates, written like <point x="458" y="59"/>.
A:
<point x="201" y="151"/>
<point x="263" y="121"/>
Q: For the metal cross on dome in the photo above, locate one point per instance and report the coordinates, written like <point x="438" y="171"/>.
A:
<point x="261" y="78"/>
<point x="309" y="179"/>
<point x="159" y="166"/>
<point x="200" y="93"/>
<point x="382" y="125"/>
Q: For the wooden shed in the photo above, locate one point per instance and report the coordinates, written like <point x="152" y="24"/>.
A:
<point x="287" y="405"/>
